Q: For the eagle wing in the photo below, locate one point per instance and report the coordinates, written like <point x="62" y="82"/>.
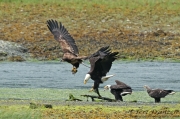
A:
<point x="100" y="53"/>
<point x="106" y="62"/>
<point x="95" y="57"/>
<point x="158" y="93"/>
<point x="101" y="61"/>
<point x="119" y="83"/>
<point x="121" y="89"/>
<point x="118" y="87"/>
<point x="62" y="35"/>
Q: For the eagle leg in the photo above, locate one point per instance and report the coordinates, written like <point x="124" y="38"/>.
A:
<point x="157" y="100"/>
<point x="95" y="90"/>
<point x="74" y="70"/>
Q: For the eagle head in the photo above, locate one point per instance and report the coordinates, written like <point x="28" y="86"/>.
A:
<point x="146" y="87"/>
<point x="107" y="87"/>
<point x="87" y="77"/>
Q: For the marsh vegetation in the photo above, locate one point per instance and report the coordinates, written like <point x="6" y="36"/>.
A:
<point x="138" y="30"/>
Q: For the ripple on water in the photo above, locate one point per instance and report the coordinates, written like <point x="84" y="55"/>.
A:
<point x="58" y="75"/>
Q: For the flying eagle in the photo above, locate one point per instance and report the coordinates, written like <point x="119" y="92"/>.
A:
<point x="119" y="90"/>
<point x="157" y="94"/>
<point x="101" y="62"/>
<point x="67" y="43"/>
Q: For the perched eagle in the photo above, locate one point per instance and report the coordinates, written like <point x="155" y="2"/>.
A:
<point x="101" y="62"/>
<point x="157" y="94"/>
<point x="68" y="45"/>
<point x="119" y="90"/>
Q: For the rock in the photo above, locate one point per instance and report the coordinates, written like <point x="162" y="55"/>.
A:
<point x="72" y="98"/>
<point x="38" y="105"/>
<point x="13" y="51"/>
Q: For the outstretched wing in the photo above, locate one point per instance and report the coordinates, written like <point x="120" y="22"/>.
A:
<point x="106" y="62"/>
<point x="95" y="57"/>
<point x="100" y="53"/>
<point x="61" y="35"/>
<point x="101" y="61"/>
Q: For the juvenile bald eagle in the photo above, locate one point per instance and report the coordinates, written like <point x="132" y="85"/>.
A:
<point x="101" y="62"/>
<point x="157" y="94"/>
<point x="67" y="43"/>
<point x="119" y="90"/>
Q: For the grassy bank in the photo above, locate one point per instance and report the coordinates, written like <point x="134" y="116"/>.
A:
<point x="170" y="5"/>
<point x="15" y="103"/>
<point x="139" y="29"/>
<point x="91" y="112"/>
<point x="63" y="94"/>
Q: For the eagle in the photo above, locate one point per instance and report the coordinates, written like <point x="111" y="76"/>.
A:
<point x="100" y="64"/>
<point x="157" y="94"/>
<point x="119" y="90"/>
<point x="67" y="43"/>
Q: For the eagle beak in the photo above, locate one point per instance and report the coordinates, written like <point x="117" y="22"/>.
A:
<point x="87" y="77"/>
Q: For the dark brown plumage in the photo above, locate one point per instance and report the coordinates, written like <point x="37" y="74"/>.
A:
<point x="101" y="63"/>
<point x="119" y="90"/>
<point x="67" y="43"/>
<point x="157" y="94"/>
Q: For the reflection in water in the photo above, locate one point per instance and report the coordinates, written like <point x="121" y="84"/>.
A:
<point x="58" y="75"/>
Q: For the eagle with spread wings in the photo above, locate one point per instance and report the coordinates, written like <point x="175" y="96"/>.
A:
<point x="67" y="43"/>
<point x="101" y="62"/>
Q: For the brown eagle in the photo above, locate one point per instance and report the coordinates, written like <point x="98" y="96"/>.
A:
<point x="119" y="90"/>
<point x="157" y="94"/>
<point x="67" y="43"/>
<point x="101" y="62"/>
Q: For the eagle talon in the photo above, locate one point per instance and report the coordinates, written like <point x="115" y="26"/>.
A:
<point x="74" y="70"/>
<point x="91" y="90"/>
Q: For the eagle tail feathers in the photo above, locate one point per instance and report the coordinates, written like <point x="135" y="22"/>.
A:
<point x="171" y="92"/>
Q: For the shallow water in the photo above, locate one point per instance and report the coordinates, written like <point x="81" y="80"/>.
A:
<point x="58" y="75"/>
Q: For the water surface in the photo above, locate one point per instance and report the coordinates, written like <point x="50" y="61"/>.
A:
<point x="58" y="75"/>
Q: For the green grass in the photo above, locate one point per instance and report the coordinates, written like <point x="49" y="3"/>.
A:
<point x="90" y="111"/>
<point x="63" y="94"/>
<point x="15" y="103"/>
<point x="19" y="112"/>
<point x="124" y="4"/>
